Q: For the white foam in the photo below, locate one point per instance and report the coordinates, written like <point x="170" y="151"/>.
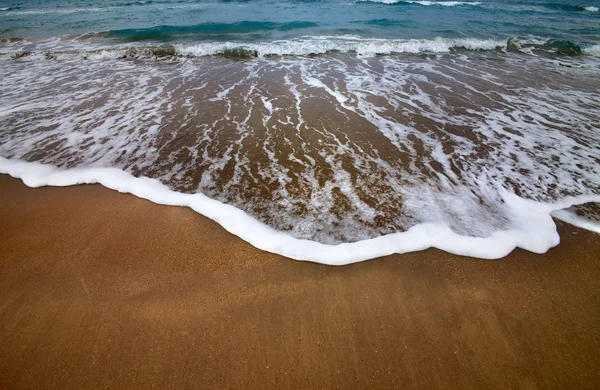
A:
<point x="591" y="9"/>
<point x="345" y="44"/>
<point x="66" y="49"/>
<point x="592" y="50"/>
<point x="438" y="180"/>
<point x="307" y="45"/>
<point x="381" y="1"/>
<point x="445" y="3"/>
<point x="535" y="230"/>
<point x="427" y="2"/>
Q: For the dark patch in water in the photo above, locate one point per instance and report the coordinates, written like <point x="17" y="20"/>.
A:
<point x="387" y="22"/>
<point x="239" y="53"/>
<point x="561" y="47"/>
<point x="564" y="7"/>
<point x="207" y="30"/>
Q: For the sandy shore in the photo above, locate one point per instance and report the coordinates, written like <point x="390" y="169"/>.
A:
<point x="100" y="289"/>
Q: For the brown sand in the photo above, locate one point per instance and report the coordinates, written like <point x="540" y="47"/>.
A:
<point x="100" y="289"/>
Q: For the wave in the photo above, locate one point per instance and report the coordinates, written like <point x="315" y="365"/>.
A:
<point x="308" y="45"/>
<point x="592" y="50"/>
<point x="6" y="40"/>
<point x="426" y="2"/>
<point x="562" y="47"/>
<point x="569" y="7"/>
<point x="535" y="230"/>
<point x="324" y="150"/>
<point x="528" y="6"/>
<point x="345" y="44"/>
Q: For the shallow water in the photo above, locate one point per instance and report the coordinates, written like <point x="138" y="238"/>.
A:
<point x="330" y="142"/>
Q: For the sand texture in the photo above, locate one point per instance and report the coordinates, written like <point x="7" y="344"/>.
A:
<point x="104" y="290"/>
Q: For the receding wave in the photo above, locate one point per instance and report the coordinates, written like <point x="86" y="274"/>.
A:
<point x="330" y="158"/>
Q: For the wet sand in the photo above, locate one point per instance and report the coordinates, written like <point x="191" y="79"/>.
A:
<point x="100" y="289"/>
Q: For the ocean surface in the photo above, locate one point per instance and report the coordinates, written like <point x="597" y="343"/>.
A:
<point x="327" y="130"/>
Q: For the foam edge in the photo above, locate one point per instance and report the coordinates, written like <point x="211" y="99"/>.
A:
<point x="536" y="231"/>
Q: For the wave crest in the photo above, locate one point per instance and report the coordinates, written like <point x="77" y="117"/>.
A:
<point x="308" y="45"/>
<point x="426" y="2"/>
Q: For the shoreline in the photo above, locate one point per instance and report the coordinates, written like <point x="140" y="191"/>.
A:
<point x="99" y="288"/>
<point x="535" y="231"/>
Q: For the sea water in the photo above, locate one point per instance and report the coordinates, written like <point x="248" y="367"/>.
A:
<point x="333" y="131"/>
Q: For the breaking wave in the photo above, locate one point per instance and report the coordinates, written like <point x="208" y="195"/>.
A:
<point x="569" y="7"/>
<point x="309" y="45"/>
<point x="427" y="2"/>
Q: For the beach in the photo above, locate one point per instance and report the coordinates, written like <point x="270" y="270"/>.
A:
<point x="101" y="289"/>
<point x="299" y="194"/>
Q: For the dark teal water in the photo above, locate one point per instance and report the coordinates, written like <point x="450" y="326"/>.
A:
<point x="254" y="21"/>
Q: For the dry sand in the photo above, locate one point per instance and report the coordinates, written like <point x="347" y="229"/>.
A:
<point x="100" y="289"/>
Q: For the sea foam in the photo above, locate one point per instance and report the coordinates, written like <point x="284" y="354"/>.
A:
<point x="535" y="232"/>
<point x="87" y="47"/>
<point x="428" y="3"/>
<point x="592" y="50"/>
<point x="325" y="153"/>
<point x="344" y="43"/>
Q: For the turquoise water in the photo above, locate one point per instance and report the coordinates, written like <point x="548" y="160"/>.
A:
<point x="173" y="21"/>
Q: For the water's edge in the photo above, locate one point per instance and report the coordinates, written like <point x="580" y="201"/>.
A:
<point x="537" y="235"/>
